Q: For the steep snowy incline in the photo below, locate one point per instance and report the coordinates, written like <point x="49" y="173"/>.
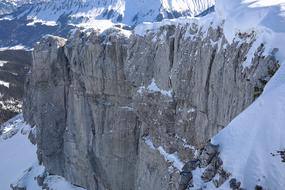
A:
<point x="252" y="146"/>
<point x="130" y="12"/>
<point x="6" y="7"/>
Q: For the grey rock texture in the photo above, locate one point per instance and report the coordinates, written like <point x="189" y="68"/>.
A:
<point x="212" y="174"/>
<point x="110" y="109"/>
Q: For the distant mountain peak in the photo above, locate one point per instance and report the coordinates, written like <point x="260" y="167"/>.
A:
<point x="130" y="12"/>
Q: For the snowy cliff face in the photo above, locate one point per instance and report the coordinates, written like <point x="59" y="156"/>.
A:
<point x="250" y="152"/>
<point x="117" y="111"/>
<point x="9" y="6"/>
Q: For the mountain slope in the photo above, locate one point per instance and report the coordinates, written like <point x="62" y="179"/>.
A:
<point x="59" y="17"/>
<point x="130" y="12"/>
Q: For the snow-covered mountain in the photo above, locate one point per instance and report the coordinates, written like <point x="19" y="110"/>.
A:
<point x="58" y="17"/>
<point x="130" y="12"/>
<point x="6" y="7"/>
<point x="244" y="38"/>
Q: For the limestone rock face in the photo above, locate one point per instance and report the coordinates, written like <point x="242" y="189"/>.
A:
<point x="125" y="113"/>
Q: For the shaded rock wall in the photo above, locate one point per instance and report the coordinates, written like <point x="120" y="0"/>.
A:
<point x="14" y="66"/>
<point x="112" y="112"/>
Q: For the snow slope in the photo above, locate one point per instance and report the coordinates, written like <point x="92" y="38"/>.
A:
<point x="18" y="159"/>
<point x="249" y="141"/>
<point x="17" y="153"/>
<point x="8" y="6"/>
<point x="249" y="145"/>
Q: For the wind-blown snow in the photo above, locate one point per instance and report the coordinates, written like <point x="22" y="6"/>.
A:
<point x="17" y="47"/>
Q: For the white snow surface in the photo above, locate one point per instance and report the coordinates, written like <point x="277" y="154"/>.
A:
<point x="173" y="158"/>
<point x="3" y="83"/>
<point x="247" y="142"/>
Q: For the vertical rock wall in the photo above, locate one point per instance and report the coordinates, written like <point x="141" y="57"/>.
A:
<point x="125" y="113"/>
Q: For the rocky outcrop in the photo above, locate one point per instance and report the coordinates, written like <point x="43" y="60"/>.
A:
<point x="117" y="112"/>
